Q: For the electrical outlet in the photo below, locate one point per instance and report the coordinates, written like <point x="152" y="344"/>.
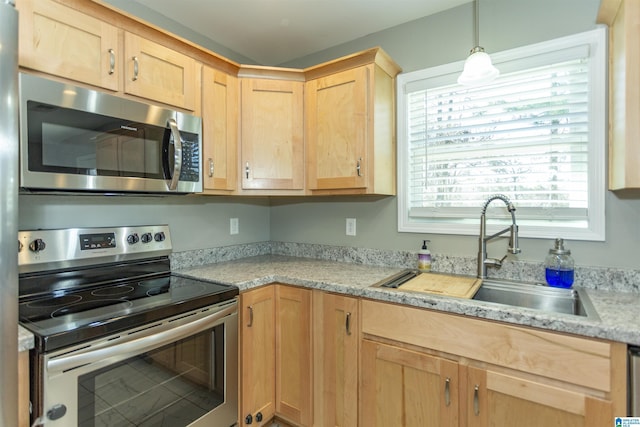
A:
<point x="351" y="226"/>
<point x="234" y="226"/>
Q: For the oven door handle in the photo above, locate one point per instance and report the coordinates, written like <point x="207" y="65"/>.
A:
<point x="151" y="340"/>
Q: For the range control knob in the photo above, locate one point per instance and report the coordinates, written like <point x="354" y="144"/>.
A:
<point x="159" y="236"/>
<point x="133" y="238"/>
<point x="37" y="245"/>
<point x="20" y="246"/>
<point x="146" y="238"/>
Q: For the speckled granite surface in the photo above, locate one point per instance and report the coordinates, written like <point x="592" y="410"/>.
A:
<point x="590" y="277"/>
<point x="25" y="339"/>
<point x="619" y="312"/>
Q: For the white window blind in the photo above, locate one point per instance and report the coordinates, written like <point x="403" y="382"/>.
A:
<point x="533" y="135"/>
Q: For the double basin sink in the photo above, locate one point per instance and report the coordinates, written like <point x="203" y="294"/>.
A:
<point x="519" y="294"/>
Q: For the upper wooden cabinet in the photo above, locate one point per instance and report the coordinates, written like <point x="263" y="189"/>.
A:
<point x="65" y="42"/>
<point x="272" y="132"/>
<point x="219" y="130"/>
<point x="623" y="19"/>
<point x="158" y="73"/>
<point x="350" y="125"/>
<point x="58" y="40"/>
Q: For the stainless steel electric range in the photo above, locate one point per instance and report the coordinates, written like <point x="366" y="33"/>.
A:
<point x="119" y="339"/>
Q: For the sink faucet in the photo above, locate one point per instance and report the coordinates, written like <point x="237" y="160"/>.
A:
<point x="483" y="261"/>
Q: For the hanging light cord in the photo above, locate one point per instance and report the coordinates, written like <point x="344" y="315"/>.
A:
<point x="476" y="13"/>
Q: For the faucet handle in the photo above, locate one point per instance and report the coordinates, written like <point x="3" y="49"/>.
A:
<point x="494" y="262"/>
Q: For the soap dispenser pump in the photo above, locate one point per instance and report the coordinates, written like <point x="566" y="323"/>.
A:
<point x="558" y="266"/>
<point x="424" y="258"/>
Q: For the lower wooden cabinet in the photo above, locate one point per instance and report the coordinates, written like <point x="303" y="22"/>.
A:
<point x="422" y="368"/>
<point x="496" y="399"/>
<point x="336" y="359"/>
<point x="404" y="388"/>
<point x="257" y="369"/>
<point x="276" y="356"/>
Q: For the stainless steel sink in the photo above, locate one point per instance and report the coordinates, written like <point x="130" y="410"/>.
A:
<point x="536" y="296"/>
<point x="574" y="302"/>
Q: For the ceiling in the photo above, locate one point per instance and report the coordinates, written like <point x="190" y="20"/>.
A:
<point x="272" y="32"/>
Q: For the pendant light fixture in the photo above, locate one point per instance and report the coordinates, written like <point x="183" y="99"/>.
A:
<point x="478" y="68"/>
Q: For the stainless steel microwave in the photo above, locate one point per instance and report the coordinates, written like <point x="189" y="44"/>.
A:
<point x="81" y="140"/>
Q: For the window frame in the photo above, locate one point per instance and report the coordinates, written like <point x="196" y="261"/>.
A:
<point x="595" y="229"/>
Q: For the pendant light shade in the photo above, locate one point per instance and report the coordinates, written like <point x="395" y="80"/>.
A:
<point x="478" y="68"/>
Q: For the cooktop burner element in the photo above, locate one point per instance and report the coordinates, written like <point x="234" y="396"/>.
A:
<point x="117" y="284"/>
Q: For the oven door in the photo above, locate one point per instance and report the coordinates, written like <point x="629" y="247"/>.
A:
<point x="181" y="371"/>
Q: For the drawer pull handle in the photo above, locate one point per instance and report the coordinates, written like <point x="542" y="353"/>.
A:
<point x="112" y="61"/>
<point x="447" y="391"/>
<point x="348" y="323"/>
<point x="135" y="68"/>
<point x="250" y="308"/>
<point x="476" y="401"/>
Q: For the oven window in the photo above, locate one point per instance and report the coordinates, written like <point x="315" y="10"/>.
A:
<point x="170" y="386"/>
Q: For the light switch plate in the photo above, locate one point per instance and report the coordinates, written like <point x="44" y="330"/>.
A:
<point x="234" y="226"/>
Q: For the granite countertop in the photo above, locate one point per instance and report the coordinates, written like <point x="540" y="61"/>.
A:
<point x="618" y="311"/>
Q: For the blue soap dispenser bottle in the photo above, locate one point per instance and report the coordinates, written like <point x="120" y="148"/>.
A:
<point x="559" y="266"/>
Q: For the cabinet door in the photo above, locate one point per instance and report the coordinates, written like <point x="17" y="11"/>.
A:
<point x="272" y="134"/>
<point x="293" y="354"/>
<point x="220" y="129"/>
<point x="400" y="387"/>
<point x="258" y="356"/>
<point x="58" y="40"/>
<point x="496" y="400"/>
<point x="336" y="331"/>
<point x="158" y="73"/>
<point x="338" y="129"/>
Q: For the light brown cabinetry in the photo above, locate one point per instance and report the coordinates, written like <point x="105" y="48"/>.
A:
<point x="497" y="399"/>
<point x="507" y="375"/>
<point x="24" y="401"/>
<point x="158" y="73"/>
<point x="623" y="19"/>
<point x="350" y="125"/>
<point x="257" y="370"/>
<point x="276" y="356"/>
<point x="272" y="134"/>
<point x="402" y="387"/>
<point x="219" y="130"/>
<point x="336" y="333"/>
<point x="58" y="40"/>
<point x="65" y="42"/>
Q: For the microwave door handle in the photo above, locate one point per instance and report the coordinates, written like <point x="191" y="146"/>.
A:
<point x="177" y="155"/>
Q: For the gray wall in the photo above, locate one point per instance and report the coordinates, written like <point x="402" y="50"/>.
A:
<point x="196" y="222"/>
<point x="436" y="40"/>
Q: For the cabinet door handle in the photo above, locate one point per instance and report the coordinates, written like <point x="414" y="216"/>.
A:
<point x="210" y="167"/>
<point x="135" y="68"/>
<point x="246" y="170"/>
<point x="447" y="391"/>
<point x="348" y="323"/>
<point x="250" y="308"/>
<point x="476" y="401"/>
<point x="112" y="61"/>
<point x="359" y="166"/>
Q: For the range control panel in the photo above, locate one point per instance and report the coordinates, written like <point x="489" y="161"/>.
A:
<point x="43" y="250"/>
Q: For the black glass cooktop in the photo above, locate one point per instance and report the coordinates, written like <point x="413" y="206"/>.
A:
<point x="70" y="316"/>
